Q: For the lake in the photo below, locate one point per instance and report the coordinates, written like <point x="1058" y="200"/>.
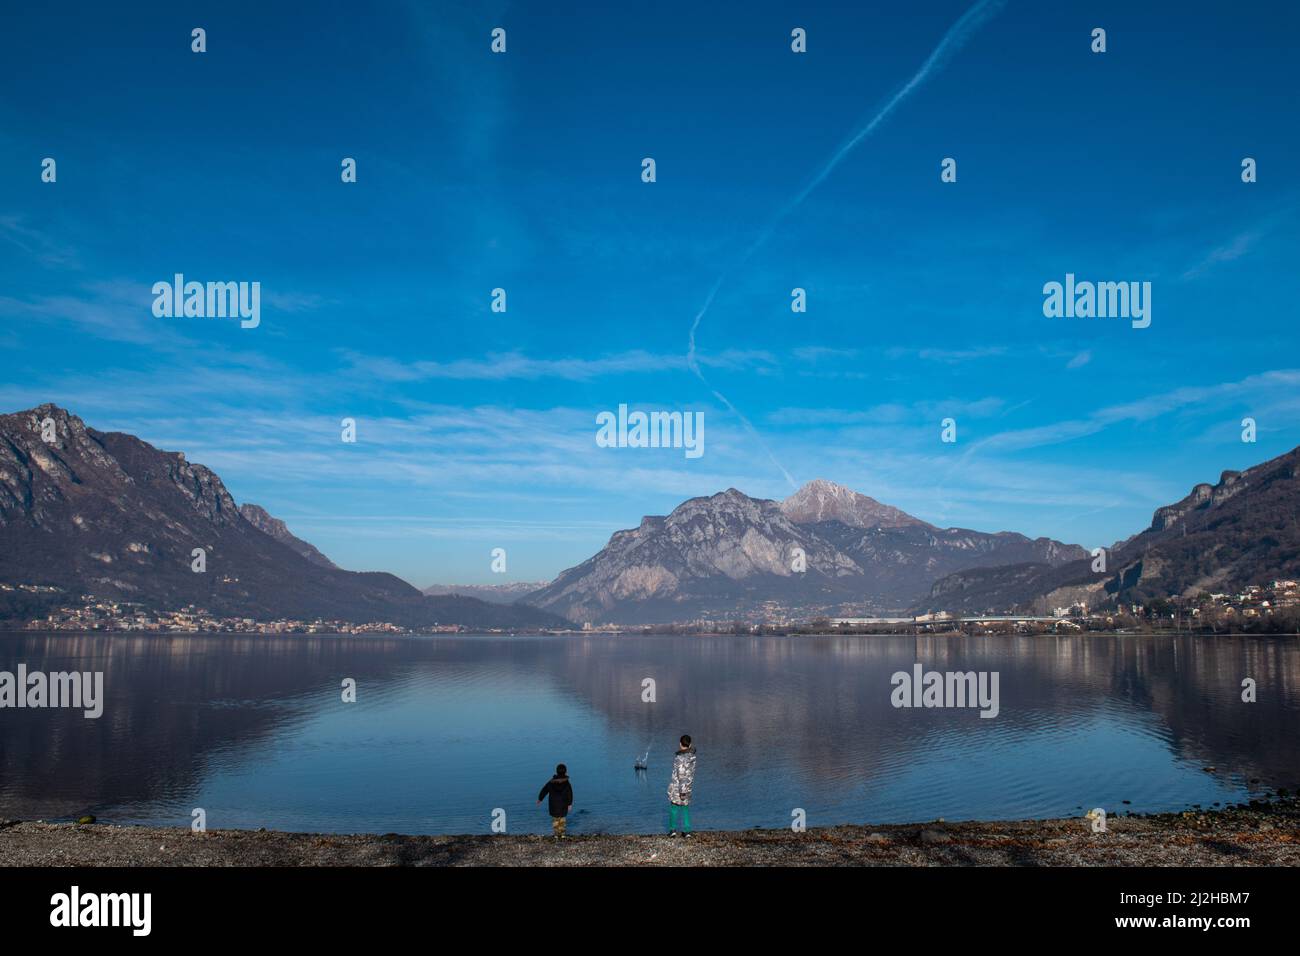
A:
<point x="446" y="729"/>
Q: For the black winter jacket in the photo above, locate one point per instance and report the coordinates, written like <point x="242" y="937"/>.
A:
<point x="561" y="793"/>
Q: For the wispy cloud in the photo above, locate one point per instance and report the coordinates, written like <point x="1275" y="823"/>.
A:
<point x="293" y="302"/>
<point x="117" y="312"/>
<point x="1143" y="410"/>
<point x="888" y="413"/>
<point x="37" y="244"/>
<point x="949" y="356"/>
<point x="516" y="365"/>
<point x="1080" y="360"/>
<point x="819" y="353"/>
<point x="1239" y="246"/>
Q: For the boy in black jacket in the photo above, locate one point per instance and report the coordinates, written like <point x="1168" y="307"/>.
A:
<point x="561" y="799"/>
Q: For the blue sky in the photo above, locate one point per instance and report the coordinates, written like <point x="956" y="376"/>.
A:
<point x="476" y="429"/>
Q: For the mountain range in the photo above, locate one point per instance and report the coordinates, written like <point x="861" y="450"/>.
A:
<point x="825" y="548"/>
<point x="1242" y="530"/>
<point x="730" y="556"/>
<point x="85" y="513"/>
<point x="107" y="515"/>
<point x="492" y="593"/>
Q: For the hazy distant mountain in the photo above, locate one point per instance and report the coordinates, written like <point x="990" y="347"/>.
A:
<point x="257" y="516"/>
<point x="1243" y="530"/>
<point x="729" y="554"/>
<point x="105" y="514"/>
<point x="492" y="593"/>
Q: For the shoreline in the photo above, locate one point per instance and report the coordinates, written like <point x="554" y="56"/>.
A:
<point x="665" y="631"/>
<point x="1261" y="833"/>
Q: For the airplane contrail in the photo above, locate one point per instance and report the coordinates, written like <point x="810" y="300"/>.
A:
<point x="952" y="41"/>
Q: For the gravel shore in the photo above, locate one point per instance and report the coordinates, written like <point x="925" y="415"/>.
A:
<point x="1259" y="834"/>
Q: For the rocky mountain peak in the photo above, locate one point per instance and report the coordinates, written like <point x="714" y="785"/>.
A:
<point x="69" y="432"/>
<point x="263" y="521"/>
<point x="822" y="500"/>
<point x="1202" y="496"/>
<point x="730" y="500"/>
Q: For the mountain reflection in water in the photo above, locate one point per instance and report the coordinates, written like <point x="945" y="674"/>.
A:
<point x="446" y="729"/>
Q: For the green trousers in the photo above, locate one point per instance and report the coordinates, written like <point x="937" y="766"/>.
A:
<point x="675" y="810"/>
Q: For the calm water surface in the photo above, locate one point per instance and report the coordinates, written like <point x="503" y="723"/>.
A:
<point x="447" y="728"/>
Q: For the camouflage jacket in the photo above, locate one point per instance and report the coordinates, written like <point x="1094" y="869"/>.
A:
<point x="679" y="787"/>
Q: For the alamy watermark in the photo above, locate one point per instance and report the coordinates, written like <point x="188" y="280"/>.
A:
<point x="75" y="689"/>
<point x="75" y="908"/>
<point x="211" y="300"/>
<point x="651" y="430"/>
<point x="1099" y="300"/>
<point x="922" y="688"/>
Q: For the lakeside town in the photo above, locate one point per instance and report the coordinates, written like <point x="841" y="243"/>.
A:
<point x="1267" y="608"/>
